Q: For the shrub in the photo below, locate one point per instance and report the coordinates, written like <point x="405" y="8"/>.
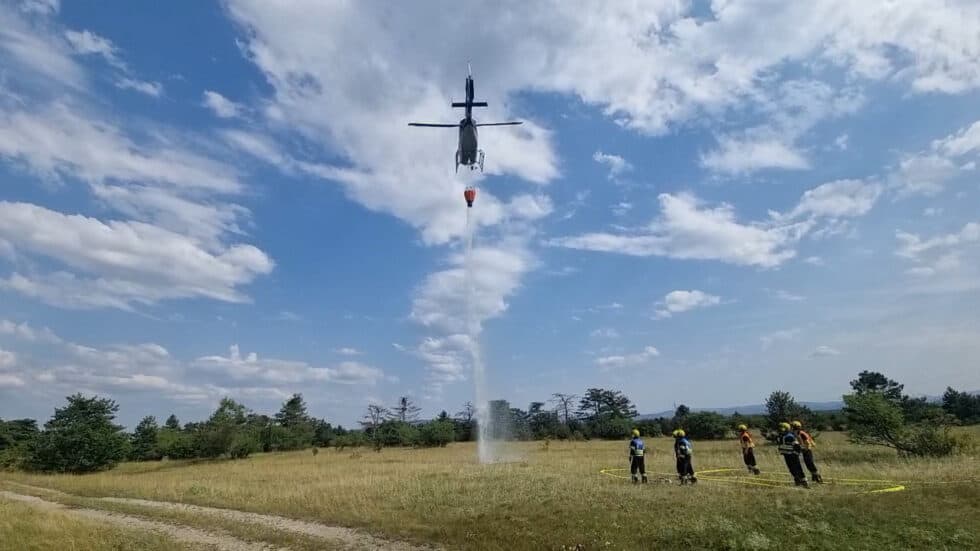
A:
<point x="436" y="433"/>
<point x="79" y="438"/>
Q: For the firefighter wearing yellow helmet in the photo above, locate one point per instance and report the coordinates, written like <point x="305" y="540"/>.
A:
<point x="806" y="447"/>
<point x="789" y="447"/>
<point x="748" y="449"/>
<point x="683" y="450"/>
<point x="637" y="466"/>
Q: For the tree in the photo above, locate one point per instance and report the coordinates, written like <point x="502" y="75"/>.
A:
<point x="172" y="422"/>
<point x="962" y="405"/>
<point x="681" y="412"/>
<point x="872" y="418"/>
<point x="298" y="428"/>
<point x="227" y="431"/>
<point x="143" y="444"/>
<point x="598" y="402"/>
<point x="874" y="382"/>
<point x="781" y="407"/>
<point x="706" y="425"/>
<point x="436" y="433"/>
<point x="464" y="423"/>
<point x="563" y="405"/>
<point x="15" y="435"/>
<point x="79" y="438"/>
<point x="323" y="434"/>
<point x="372" y="422"/>
<point x="405" y="411"/>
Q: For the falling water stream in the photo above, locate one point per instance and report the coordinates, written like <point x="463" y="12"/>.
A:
<point x="485" y="441"/>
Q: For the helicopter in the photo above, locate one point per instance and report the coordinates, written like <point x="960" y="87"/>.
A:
<point x="468" y="152"/>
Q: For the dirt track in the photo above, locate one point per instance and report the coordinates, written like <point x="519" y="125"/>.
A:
<point x="181" y="534"/>
<point x="338" y="537"/>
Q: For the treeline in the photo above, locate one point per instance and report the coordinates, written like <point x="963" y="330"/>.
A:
<point x="82" y="436"/>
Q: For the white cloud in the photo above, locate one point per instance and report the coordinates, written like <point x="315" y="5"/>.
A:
<point x="932" y="211"/>
<point x="913" y="247"/>
<point x="945" y="263"/>
<point x="7" y="359"/>
<point x="44" y="7"/>
<point x="838" y="199"/>
<point x="814" y="260"/>
<point x="25" y="332"/>
<point x="279" y="372"/>
<point x="687" y="229"/>
<point x="605" y="333"/>
<point x="153" y="89"/>
<point x="824" y="351"/>
<point x="782" y="294"/>
<point x="923" y="174"/>
<point x="58" y="139"/>
<point x="769" y="339"/>
<point x="455" y="299"/>
<point x="617" y="165"/>
<point x="347" y="351"/>
<point x="131" y="261"/>
<point x="736" y="157"/>
<point x="928" y="172"/>
<point x="41" y="58"/>
<point x="606" y="363"/>
<point x="797" y="106"/>
<point x="10" y="381"/>
<point x="221" y="106"/>
<point x="87" y="42"/>
<point x="841" y="142"/>
<point x="681" y="301"/>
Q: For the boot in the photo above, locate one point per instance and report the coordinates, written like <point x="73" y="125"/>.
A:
<point x="683" y="480"/>
<point x="755" y="470"/>
<point x="817" y="478"/>
<point x="635" y="480"/>
<point x="694" y="479"/>
<point x="644" y="479"/>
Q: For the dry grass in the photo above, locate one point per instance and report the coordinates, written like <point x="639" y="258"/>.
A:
<point x="25" y="528"/>
<point x="557" y="497"/>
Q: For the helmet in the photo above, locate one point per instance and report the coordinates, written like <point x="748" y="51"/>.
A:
<point x="797" y="425"/>
<point x="743" y="427"/>
<point x="784" y="426"/>
<point x="636" y="432"/>
<point x="679" y="433"/>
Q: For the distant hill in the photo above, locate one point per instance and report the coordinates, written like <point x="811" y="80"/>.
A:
<point x="753" y="409"/>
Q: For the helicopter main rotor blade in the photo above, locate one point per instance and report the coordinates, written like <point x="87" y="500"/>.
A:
<point x="433" y="125"/>
<point x="499" y="123"/>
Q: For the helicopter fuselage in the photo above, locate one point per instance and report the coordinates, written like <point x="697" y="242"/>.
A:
<point x="468" y="142"/>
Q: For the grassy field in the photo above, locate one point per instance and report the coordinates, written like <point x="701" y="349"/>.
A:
<point x="556" y="497"/>
<point x="26" y="528"/>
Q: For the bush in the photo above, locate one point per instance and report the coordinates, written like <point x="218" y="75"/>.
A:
<point x="79" y="438"/>
<point x="873" y="419"/>
<point x="436" y="433"/>
<point x="706" y="425"/>
<point x="929" y="441"/>
<point x="175" y="444"/>
<point x="243" y="444"/>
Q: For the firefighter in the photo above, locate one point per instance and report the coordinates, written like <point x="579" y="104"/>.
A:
<point x="748" y="449"/>
<point x="807" y="445"/>
<point x="789" y="446"/>
<point x="683" y="450"/>
<point x="636" y="458"/>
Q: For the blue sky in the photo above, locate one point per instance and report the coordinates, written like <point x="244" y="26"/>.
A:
<point x="707" y="202"/>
